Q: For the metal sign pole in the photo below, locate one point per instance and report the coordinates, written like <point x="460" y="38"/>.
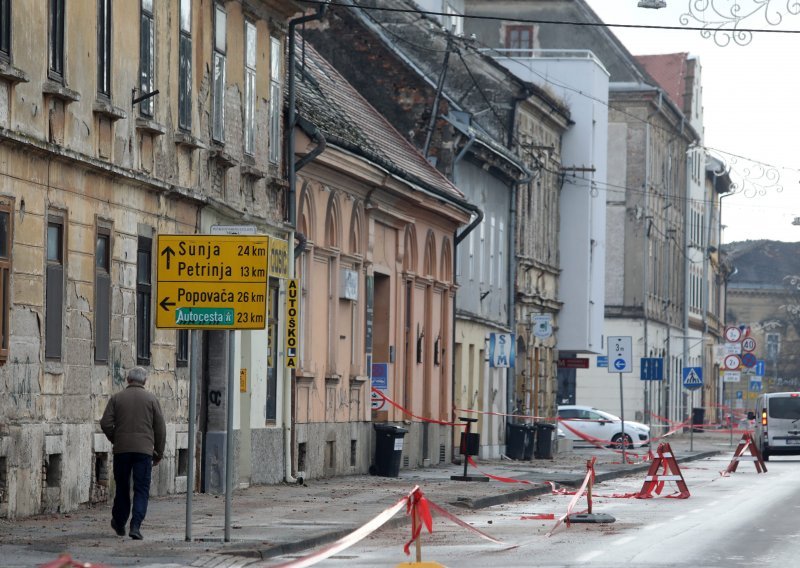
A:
<point x="622" y="418"/>
<point x="194" y="364"/>
<point x="229" y="436"/>
<point x="691" y="422"/>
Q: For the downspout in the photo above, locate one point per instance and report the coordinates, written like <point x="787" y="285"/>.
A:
<point x="291" y="174"/>
<point x="686" y="282"/>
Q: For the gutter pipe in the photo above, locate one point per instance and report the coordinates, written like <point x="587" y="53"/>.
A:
<point x="291" y="174"/>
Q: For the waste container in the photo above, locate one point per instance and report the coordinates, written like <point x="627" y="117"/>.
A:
<point x="698" y="418"/>
<point x="544" y="441"/>
<point x="388" y="450"/>
<point x="519" y="441"/>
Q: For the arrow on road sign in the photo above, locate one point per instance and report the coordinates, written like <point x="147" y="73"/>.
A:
<point x="169" y="253"/>
<point x="165" y="302"/>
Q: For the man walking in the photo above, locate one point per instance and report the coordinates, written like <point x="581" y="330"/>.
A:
<point x="134" y="424"/>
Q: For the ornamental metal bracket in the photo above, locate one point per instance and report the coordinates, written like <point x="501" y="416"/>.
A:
<point x="723" y="20"/>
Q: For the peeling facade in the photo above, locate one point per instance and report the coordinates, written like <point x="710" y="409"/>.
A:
<point x="88" y="181"/>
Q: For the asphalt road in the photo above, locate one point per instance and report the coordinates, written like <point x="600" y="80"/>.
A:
<point x="746" y="519"/>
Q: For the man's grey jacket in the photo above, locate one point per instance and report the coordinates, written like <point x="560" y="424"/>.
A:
<point x="133" y="422"/>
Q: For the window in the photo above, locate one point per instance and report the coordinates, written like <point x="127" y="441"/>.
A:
<point x="54" y="287"/>
<point x="147" y="56"/>
<point x="182" y="348"/>
<point x="453" y="21"/>
<point x="6" y="210"/>
<point x="491" y="252"/>
<point x="56" y="40"/>
<point x="5" y="30"/>
<point x="519" y="39"/>
<point x="104" y="48"/>
<point x="143" y="293"/>
<point x="275" y="101"/>
<point x="185" y="67"/>
<point x="102" y="294"/>
<point x="218" y="97"/>
<point x="249" y="87"/>
<point x="773" y="346"/>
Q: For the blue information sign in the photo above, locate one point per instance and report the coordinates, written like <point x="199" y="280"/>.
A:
<point x="380" y="376"/>
<point x="760" y="367"/>
<point x="692" y="377"/>
<point x="652" y="368"/>
<point x="602" y="361"/>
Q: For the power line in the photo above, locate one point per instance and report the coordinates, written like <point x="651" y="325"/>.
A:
<point x="552" y="22"/>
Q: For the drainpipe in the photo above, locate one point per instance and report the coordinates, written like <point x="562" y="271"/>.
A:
<point x="686" y="287"/>
<point x="291" y="174"/>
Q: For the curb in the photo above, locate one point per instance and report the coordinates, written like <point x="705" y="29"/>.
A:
<point x="472" y="504"/>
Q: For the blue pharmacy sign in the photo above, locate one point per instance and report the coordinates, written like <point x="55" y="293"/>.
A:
<point x="652" y="368"/>
<point x="501" y="350"/>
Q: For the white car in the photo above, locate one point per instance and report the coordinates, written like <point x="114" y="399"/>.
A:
<point x="597" y="425"/>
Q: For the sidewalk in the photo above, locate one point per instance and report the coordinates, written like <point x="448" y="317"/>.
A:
<point x="269" y="521"/>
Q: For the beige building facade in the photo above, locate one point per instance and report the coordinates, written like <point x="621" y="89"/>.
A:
<point x="89" y="178"/>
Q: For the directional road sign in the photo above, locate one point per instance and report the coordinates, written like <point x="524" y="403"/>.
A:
<point x="602" y="361"/>
<point x="652" y="368"/>
<point x="212" y="281"/>
<point x="620" y="354"/>
<point x="692" y="377"/>
<point x="760" y="367"/>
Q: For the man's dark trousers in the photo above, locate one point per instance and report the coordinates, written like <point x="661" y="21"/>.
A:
<point x="141" y="466"/>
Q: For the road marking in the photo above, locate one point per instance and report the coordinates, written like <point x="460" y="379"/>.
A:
<point x="589" y="556"/>
<point x="679" y="517"/>
<point x="651" y="527"/>
<point x="696" y="511"/>
<point x="623" y="540"/>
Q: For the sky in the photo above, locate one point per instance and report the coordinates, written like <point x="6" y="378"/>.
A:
<point x="751" y="100"/>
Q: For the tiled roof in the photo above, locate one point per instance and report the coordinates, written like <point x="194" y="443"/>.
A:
<point x="347" y="120"/>
<point x="669" y="70"/>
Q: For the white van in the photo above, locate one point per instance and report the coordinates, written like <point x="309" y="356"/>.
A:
<point x="777" y="424"/>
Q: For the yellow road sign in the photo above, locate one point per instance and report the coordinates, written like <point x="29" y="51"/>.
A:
<point x="212" y="281"/>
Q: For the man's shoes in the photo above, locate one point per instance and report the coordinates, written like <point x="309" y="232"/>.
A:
<point x="135" y="534"/>
<point x="119" y="530"/>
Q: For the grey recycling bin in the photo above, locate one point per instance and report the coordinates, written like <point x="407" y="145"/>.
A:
<point x="519" y="441"/>
<point x="544" y="441"/>
<point x="388" y="450"/>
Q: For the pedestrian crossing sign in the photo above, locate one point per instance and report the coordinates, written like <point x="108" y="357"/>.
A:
<point x="692" y="377"/>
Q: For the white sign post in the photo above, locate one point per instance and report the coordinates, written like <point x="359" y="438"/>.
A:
<point x="620" y="360"/>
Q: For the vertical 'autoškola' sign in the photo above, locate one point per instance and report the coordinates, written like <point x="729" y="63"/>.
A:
<point x="292" y="321"/>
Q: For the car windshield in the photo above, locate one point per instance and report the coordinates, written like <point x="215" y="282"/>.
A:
<point x="787" y="407"/>
<point x="606" y="415"/>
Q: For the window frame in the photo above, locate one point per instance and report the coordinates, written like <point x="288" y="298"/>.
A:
<point x="54" y="269"/>
<point x="102" y="271"/>
<point x="220" y="49"/>
<point x="144" y="300"/>
<point x="275" y="99"/>
<point x="6" y="263"/>
<point x="250" y="87"/>
<point x="5" y="31"/>
<point x="104" y="43"/>
<point x="147" y="57"/>
<point x="185" y="67"/>
<point x="515" y="48"/>
<point x="56" y="24"/>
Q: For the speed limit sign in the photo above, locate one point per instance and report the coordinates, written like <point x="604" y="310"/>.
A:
<point x="749" y="344"/>
<point x="732" y="362"/>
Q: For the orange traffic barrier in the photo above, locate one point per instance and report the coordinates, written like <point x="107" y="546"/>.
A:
<point x="746" y="443"/>
<point x="654" y="481"/>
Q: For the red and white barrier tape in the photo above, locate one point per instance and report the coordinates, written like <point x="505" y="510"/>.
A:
<point x="415" y="503"/>
<point x="404" y="410"/>
<point x="486" y="412"/>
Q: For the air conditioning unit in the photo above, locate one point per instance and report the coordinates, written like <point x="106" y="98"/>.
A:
<point x="348" y="285"/>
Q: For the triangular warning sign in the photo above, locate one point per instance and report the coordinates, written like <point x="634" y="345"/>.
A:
<point x="671" y="472"/>
<point x="746" y="443"/>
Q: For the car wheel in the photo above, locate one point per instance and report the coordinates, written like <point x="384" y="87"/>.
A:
<point x="616" y="442"/>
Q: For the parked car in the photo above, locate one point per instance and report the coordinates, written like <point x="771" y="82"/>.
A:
<point x="598" y="425"/>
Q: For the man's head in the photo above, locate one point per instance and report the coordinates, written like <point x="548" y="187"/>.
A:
<point x="137" y="376"/>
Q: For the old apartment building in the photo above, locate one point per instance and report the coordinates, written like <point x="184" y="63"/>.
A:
<point x="119" y="122"/>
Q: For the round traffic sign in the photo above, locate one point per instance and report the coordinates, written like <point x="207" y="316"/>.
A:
<point x="733" y="334"/>
<point x="749" y="344"/>
<point x="749" y="360"/>
<point x="619" y="364"/>
<point x="732" y="362"/>
<point x="378" y="402"/>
